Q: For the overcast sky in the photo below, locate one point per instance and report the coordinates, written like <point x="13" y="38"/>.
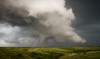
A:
<point x="14" y="33"/>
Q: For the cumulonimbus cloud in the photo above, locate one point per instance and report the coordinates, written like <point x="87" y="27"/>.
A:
<point x="43" y="17"/>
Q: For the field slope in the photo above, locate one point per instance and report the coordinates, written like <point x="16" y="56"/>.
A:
<point x="50" y="53"/>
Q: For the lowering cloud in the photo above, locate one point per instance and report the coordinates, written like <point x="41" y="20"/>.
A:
<point x="30" y="22"/>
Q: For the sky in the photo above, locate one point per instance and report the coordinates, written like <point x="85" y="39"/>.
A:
<point x="49" y="23"/>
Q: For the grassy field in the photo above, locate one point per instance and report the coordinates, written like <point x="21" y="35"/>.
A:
<point x="50" y="53"/>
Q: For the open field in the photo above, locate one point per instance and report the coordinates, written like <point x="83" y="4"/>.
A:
<point x="50" y="53"/>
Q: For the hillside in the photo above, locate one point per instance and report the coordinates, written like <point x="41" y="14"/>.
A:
<point x="50" y="53"/>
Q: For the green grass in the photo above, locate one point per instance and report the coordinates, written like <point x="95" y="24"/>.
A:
<point x="50" y="53"/>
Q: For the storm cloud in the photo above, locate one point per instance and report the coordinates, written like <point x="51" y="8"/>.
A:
<point x="30" y="22"/>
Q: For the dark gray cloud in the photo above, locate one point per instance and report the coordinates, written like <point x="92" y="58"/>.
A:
<point x="87" y="13"/>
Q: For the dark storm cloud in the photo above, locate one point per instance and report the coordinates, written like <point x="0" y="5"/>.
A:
<point x="87" y="13"/>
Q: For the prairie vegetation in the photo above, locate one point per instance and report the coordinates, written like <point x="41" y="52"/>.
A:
<point x="50" y="53"/>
